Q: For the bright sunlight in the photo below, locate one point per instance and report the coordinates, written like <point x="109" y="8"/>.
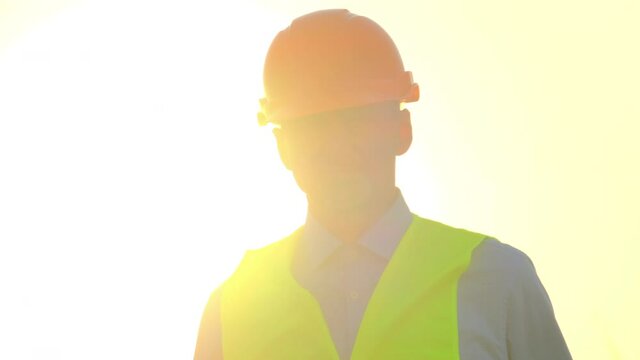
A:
<point x="133" y="174"/>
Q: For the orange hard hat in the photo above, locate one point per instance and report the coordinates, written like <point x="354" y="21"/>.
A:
<point x="329" y="60"/>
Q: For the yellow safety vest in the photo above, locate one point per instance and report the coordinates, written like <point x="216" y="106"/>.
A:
<point x="412" y="313"/>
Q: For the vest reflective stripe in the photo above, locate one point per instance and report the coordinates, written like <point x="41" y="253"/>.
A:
<point x="412" y="312"/>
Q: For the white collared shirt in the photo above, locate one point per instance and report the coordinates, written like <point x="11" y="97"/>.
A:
<point x="503" y="310"/>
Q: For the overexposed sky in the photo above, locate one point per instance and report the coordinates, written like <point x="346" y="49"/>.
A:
<point x="133" y="173"/>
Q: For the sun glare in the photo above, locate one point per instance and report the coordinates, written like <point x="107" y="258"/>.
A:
<point x="133" y="173"/>
<point x="135" y="161"/>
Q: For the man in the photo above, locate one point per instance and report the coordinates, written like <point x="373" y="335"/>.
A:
<point x="364" y="278"/>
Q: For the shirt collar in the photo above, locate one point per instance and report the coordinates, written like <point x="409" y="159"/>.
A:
<point x="317" y="243"/>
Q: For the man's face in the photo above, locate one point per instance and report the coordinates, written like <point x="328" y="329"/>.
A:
<point x="343" y="156"/>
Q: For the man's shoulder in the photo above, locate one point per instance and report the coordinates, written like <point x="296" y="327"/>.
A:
<point x="490" y="256"/>
<point x="445" y="234"/>
<point x="490" y="248"/>
<point x="502" y="297"/>
<point x="501" y="270"/>
<point x="283" y="244"/>
<point x="255" y="262"/>
<point x="496" y="256"/>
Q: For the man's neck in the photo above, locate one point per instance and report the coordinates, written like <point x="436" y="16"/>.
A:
<point x="350" y="223"/>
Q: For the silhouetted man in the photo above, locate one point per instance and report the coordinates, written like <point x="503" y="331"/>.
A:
<point x="364" y="278"/>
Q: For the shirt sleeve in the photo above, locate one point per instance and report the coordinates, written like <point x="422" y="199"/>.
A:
<point x="209" y="344"/>
<point x="532" y="330"/>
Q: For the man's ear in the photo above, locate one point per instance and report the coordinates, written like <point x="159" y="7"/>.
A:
<point x="405" y="132"/>
<point x="283" y="149"/>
